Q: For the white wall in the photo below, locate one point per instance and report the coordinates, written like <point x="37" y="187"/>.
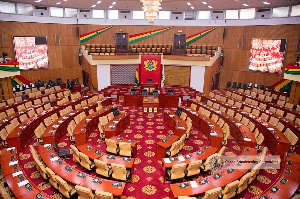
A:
<point x="103" y="74"/>
<point x="197" y="77"/>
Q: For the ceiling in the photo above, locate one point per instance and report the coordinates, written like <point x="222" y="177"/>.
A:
<point x="170" y="5"/>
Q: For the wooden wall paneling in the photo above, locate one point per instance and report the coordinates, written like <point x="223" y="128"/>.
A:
<point x="225" y="76"/>
<point x="177" y="75"/>
<point x="207" y="80"/>
<point x="232" y="36"/>
<point x="236" y="59"/>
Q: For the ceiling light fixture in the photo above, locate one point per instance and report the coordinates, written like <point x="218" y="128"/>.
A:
<point x="93" y="6"/>
<point x="245" y="4"/>
<point x="151" y="8"/>
<point x="58" y="3"/>
<point x="266" y="3"/>
<point x="193" y="7"/>
<point x="98" y="2"/>
<point x="113" y="3"/>
<point x="38" y="1"/>
<point x="188" y="3"/>
<point x="111" y="6"/>
<point x="209" y="6"/>
<point x="204" y="2"/>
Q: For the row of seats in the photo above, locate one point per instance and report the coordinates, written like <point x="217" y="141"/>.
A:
<point x="151" y="50"/>
<point x="199" y="51"/>
<point x="236" y="85"/>
<point x="5" y="191"/>
<point x="264" y="116"/>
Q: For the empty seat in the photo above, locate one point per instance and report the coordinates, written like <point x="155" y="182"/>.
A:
<point x="230" y="189"/>
<point x="102" y="168"/>
<point x="125" y="149"/>
<point x="120" y="172"/>
<point x="84" y="193"/>
<point x="177" y="171"/>
<point x="103" y="195"/>
<point x="65" y="188"/>
<point x="213" y="193"/>
<point x="86" y="162"/>
<point x="52" y="177"/>
<point x="243" y="183"/>
<point x="111" y="146"/>
<point x="291" y="137"/>
<point x="193" y="168"/>
<point x="260" y="138"/>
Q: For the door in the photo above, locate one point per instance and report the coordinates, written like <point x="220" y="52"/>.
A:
<point x="179" y="42"/>
<point x="215" y="82"/>
<point x="121" y="41"/>
<point x="86" y="78"/>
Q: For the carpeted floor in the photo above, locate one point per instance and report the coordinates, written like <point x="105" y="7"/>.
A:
<point x="147" y="175"/>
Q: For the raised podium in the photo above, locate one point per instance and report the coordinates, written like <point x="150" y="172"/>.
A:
<point x="150" y="86"/>
<point x="150" y="104"/>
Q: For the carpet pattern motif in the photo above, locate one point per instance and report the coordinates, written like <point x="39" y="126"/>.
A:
<point x="147" y="176"/>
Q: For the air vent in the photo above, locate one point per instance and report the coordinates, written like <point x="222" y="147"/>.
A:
<point x="176" y="13"/>
<point x="125" y="11"/>
<point x="84" y="11"/>
<point x="41" y="7"/>
<point x="264" y="10"/>
<point x="218" y="12"/>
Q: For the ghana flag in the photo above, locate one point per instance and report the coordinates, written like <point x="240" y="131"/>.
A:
<point x="292" y="69"/>
<point x="137" y="76"/>
<point x="195" y="37"/>
<point x="90" y="35"/>
<point x="12" y="66"/>
<point x="144" y="35"/>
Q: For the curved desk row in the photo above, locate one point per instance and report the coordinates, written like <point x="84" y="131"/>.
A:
<point x="15" y="105"/>
<point x="93" y="154"/>
<point x="275" y="140"/>
<point x="207" y="126"/>
<point x="86" y="126"/>
<point x="219" y="179"/>
<point x="76" y="176"/>
<point x="287" y="182"/>
<point x="295" y="128"/>
<point x="178" y="126"/>
<point x="22" y="133"/>
<point x="19" y="183"/>
<point x="243" y="136"/>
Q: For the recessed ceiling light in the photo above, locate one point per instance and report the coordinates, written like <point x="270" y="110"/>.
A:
<point x="209" y="6"/>
<point x="114" y="3"/>
<point x="110" y="6"/>
<point x="38" y="1"/>
<point x="193" y="7"/>
<point x="266" y="3"/>
<point x="245" y="4"/>
<point x="188" y="3"/>
<point x="65" y="0"/>
<point x="93" y="6"/>
<point x="58" y="3"/>
<point x="160" y="8"/>
<point x="204" y="2"/>
<point x="98" y="2"/>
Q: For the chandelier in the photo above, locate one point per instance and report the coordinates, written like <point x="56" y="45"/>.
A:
<point x="151" y="8"/>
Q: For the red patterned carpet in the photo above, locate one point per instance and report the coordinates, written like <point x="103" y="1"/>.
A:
<point x="147" y="176"/>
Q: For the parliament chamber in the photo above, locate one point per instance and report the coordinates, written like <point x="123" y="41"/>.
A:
<point x="110" y="101"/>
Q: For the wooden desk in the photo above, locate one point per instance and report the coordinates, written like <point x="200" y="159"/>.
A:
<point x="133" y="143"/>
<point x="25" y="131"/>
<point x="9" y="172"/>
<point x="237" y="130"/>
<point x="73" y="103"/>
<point x="202" y="154"/>
<point x="72" y="176"/>
<point x="163" y="145"/>
<point x="286" y="110"/>
<point x="88" y="125"/>
<point x="166" y="101"/>
<point x="117" y="124"/>
<point x="149" y="86"/>
<point x="76" y="88"/>
<point x="93" y="154"/>
<point x="150" y="104"/>
<point x="207" y="126"/>
<point x="175" y="123"/>
<point x="212" y="182"/>
<point x="133" y="100"/>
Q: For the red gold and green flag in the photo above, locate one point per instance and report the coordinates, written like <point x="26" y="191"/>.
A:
<point x="90" y="35"/>
<point x="137" y="77"/>
<point x="195" y="37"/>
<point x="292" y="69"/>
<point x="12" y="66"/>
<point x="144" y="35"/>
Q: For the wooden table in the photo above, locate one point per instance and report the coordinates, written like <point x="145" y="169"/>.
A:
<point x="207" y="126"/>
<point x="150" y="104"/>
<point x="175" y="123"/>
<point x="72" y="176"/>
<point x="202" y="154"/>
<point x="165" y="101"/>
<point x="163" y="145"/>
<point x="117" y="125"/>
<point x="86" y="126"/>
<point x="12" y="179"/>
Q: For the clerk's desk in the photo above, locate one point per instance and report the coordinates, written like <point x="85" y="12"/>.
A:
<point x="77" y="177"/>
<point x="219" y="179"/>
<point x="17" y="180"/>
<point x="164" y="100"/>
